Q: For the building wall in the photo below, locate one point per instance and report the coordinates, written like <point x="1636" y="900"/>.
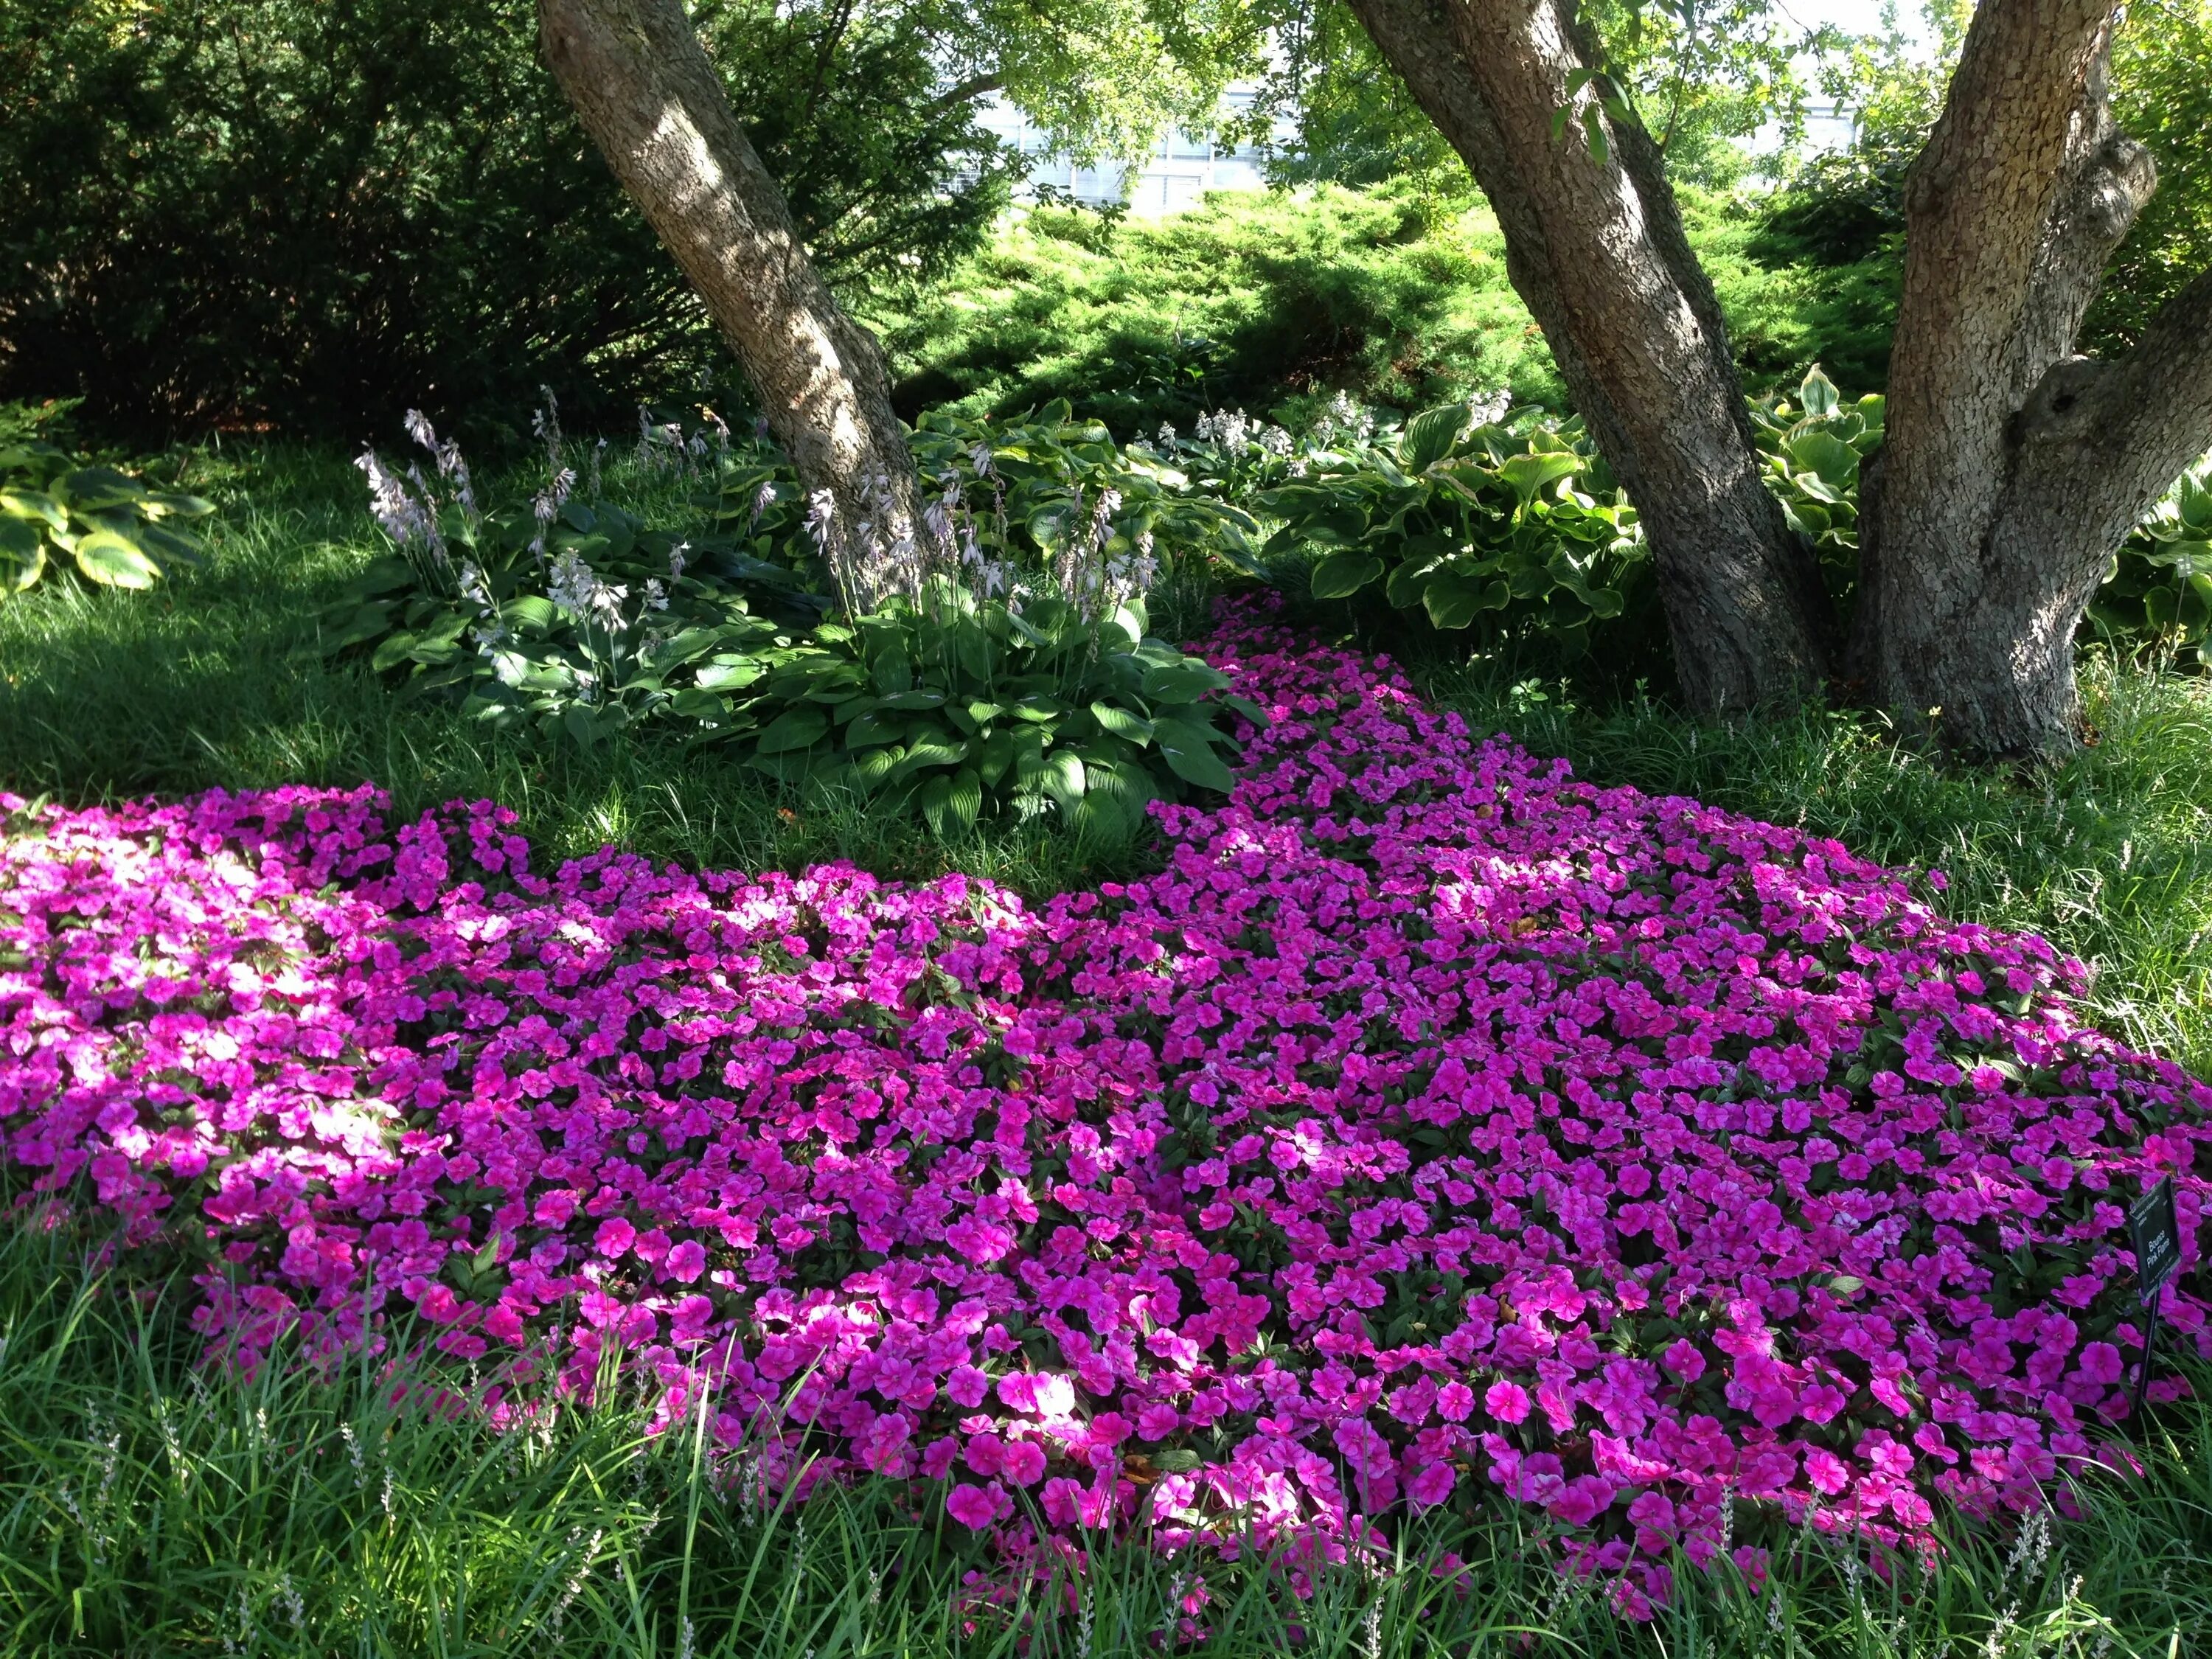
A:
<point x="1182" y="168"/>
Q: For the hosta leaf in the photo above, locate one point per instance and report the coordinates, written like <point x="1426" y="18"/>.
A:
<point x="1430" y="435"/>
<point x="89" y="489"/>
<point x="365" y="624"/>
<point x="1817" y="393"/>
<point x="1342" y="574"/>
<point x="1455" y="601"/>
<point x="114" y="562"/>
<point x="952" y="800"/>
<point x="1182" y="682"/>
<point x="793" y="729"/>
<point x="177" y="505"/>
<point x="33" y="504"/>
<point x="22" y="554"/>
<point x="1527" y="475"/>
<point x="1822" y="452"/>
<point x="935" y="749"/>
<point x="1121" y="723"/>
<point x="1189" y="749"/>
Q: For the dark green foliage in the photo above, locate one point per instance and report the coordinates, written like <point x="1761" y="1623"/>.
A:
<point x="245" y="212"/>
<point x="1516" y="523"/>
<point x="2160" y="593"/>
<point x="971" y="708"/>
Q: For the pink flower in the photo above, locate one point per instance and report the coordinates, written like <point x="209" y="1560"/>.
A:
<point x="1683" y="1359"/>
<point x="1432" y="1484"/>
<point x="977" y="1507"/>
<point x="1022" y="1462"/>
<point x="686" y="1261"/>
<point x="1508" y="1402"/>
<point x="1157" y="1422"/>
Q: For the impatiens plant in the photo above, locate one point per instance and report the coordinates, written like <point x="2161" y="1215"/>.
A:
<point x="110" y="527"/>
<point x="1432" y="1125"/>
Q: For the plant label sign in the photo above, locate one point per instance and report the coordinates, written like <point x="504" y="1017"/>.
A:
<point x="2157" y="1239"/>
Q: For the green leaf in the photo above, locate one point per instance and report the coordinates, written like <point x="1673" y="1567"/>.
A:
<point x="1342" y="574"/>
<point x="22" y="554"/>
<point x="1430" y="435"/>
<point x="1189" y="749"/>
<point x="1064" y="777"/>
<point x="1454" y="601"/>
<point x="1182" y="682"/>
<point x="1121" y="723"/>
<point x="89" y="489"/>
<point x="913" y="701"/>
<point x="950" y="801"/>
<point x="793" y="729"/>
<point x="1817" y="393"/>
<point x="935" y="749"/>
<point x="33" y="504"/>
<point x="1835" y="462"/>
<point x="1527" y="475"/>
<point x="113" y="561"/>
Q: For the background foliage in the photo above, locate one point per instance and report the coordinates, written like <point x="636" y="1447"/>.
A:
<point x="247" y="212"/>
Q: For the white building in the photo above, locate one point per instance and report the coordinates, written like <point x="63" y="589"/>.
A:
<point x="1184" y="166"/>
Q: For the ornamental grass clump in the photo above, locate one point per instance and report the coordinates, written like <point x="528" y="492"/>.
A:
<point x="1432" y="1128"/>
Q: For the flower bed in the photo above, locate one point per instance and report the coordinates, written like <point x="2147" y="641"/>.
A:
<point x="1432" y="1122"/>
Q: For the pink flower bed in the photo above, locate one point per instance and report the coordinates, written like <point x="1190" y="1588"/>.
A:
<point x="1433" y="1124"/>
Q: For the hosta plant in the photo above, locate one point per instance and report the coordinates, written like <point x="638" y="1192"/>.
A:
<point x="104" y="523"/>
<point x="1018" y="680"/>
<point x="1467" y="513"/>
<point x="563" y="613"/>
<point x="1812" y="451"/>
<point x="971" y="707"/>
<point x="2159" y="591"/>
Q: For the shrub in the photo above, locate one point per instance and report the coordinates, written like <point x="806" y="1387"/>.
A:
<point x="1468" y="512"/>
<point x="116" y="531"/>
<point x="1250" y="298"/>
<point x="254" y="212"/>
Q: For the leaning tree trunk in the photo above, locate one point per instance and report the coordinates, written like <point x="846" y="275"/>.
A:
<point x="641" y="83"/>
<point x="1596" y="250"/>
<point x="2012" y="468"/>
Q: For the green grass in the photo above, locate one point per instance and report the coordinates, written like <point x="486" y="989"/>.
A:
<point x="150" y="1503"/>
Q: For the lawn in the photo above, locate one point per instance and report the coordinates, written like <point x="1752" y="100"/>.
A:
<point x="151" y="1503"/>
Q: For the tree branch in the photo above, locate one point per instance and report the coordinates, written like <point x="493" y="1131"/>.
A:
<point x="2112" y="436"/>
<point x="974" y="86"/>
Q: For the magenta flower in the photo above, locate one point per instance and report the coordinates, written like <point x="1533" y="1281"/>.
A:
<point x="1506" y="1401"/>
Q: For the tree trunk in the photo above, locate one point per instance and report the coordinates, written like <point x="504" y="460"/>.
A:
<point x="1596" y="248"/>
<point x="646" y="93"/>
<point x="2011" y="468"/>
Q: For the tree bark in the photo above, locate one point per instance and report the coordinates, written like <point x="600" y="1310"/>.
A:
<point x="1596" y="250"/>
<point x="2011" y="468"/>
<point x="642" y="84"/>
